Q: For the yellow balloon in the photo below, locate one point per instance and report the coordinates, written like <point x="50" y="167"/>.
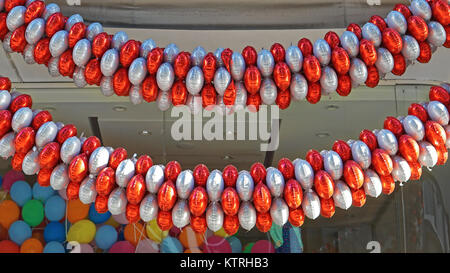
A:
<point x="112" y="222"/>
<point x="82" y="232"/>
<point x="154" y="233"/>
<point x="221" y="232"/>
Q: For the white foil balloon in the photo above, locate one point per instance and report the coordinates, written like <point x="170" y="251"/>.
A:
<point x="401" y="171"/>
<point x="106" y="86"/>
<point x="59" y="43"/>
<point x="265" y="62"/>
<point x="185" y="184"/>
<point x="396" y="21"/>
<point x="194" y="103"/>
<point x="387" y="141"/>
<point x="247" y="215"/>
<point x="350" y="42"/>
<point x="279" y="212"/>
<point x="124" y="172"/>
<point x="411" y="49"/>
<point x="53" y="67"/>
<point x="7" y="43"/>
<point x="49" y="10"/>
<point x="119" y="39"/>
<point x="421" y="8"/>
<point x="245" y="186"/>
<point x="237" y="67"/>
<point x="275" y="181"/>
<point x="148" y="209"/>
<point x="358" y="71"/>
<point x="87" y="193"/>
<point x="137" y="71"/>
<point x="15" y="18"/>
<point x="241" y="96"/>
<point x="93" y="30"/>
<point x="427" y="154"/>
<point x="385" y="61"/>
<point x="214" y="216"/>
<point x="194" y="80"/>
<point x="78" y="77"/>
<point x="328" y="80"/>
<point x="322" y="51"/>
<point x="165" y="76"/>
<point x="294" y="58"/>
<point x="98" y="160"/>
<point x="30" y="164"/>
<point x="82" y="52"/>
<point x="22" y="118"/>
<point x="304" y="173"/>
<point x="117" y="201"/>
<point x="147" y="46"/>
<point x="109" y="62"/>
<point x="197" y="56"/>
<point x="268" y="91"/>
<point x="438" y="112"/>
<point x="35" y="31"/>
<point x="46" y="134"/>
<point x="214" y="185"/>
<point x="164" y="101"/>
<point x="413" y="126"/>
<point x="436" y="34"/>
<point x="170" y="53"/>
<point x="371" y="33"/>
<point x="180" y="214"/>
<point x="311" y="205"/>
<point x="372" y="183"/>
<point x="5" y="99"/>
<point x="136" y="94"/>
<point x="342" y="195"/>
<point x="332" y="163"/>
<point x="154" y="178"/>
<point x="298" y="87"/>
<point x="7" y="147"/>
<point x="59" y="179"/>
<point x="222" y="79"/>
<point x="28" y="54"/>
<point x="218" y="55"/>
<point x="76" y="18"/>
<point x="361" y="154"/>
<point x="70" y="148"/>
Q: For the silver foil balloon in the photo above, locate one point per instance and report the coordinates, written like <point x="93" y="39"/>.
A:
<point x="214" y="185"/>
<point x="119" y="39"/>
<point x="117" y="201"/>
<point x="241" y="96"/>
<point x="401" y="171"/>
<point x="30" y="164"/>
<point x="59" y="179"/>
<point x="237" y="67"/>
<point x="70" y="148"/>
<point x="106" y="86"/>
<point x="294" y="58"/>
<point x="5" y="99"/>
<point x="427" y="154"/>
<point x="247" y="215"/>
<point x="16" y="18"/>
<point x="279" y="212"/>
<point x="124" y="172"/>
<point x="218" y="55"/>
<point x="214" y="216"/>
<point x="421" y="8"/>
<point x="361" y="154"/>
<point x="59" y="43"/>
<point x="154" y="178"/>
<point x="397" y="21"/>
<point x="35" y="31"/>
<point x="342" y="195"/>
<point x="350" y="42"/>
<point x="332" y="163"/>
<point x="15" y="94"/>
<point x="98" y="160"/>
<point x="197" y="56"/>
<point x="87" y="193"/>
<point x="371" y="33"/>
<point x="53" y="67"/>
<point x="137" y="71"/>
<point x="148" y="209"/>
<point x="7" y="147"/>
<point x="222" y="79"/>
<point x="298" y="87"/>
<point x="436" y="34"/>
<point x="28" y="54"/>
<point x="194" y="80"/>
<point x="245" y="186"/>
<point x="164" y="101"/>
<point x="185" y="184"/>
<point x="22" y="118"/>
<point x="76" y="18"/>
<point x="385" y="60"/>
<point x="447" y="133"/>
<point x="59" y="125"/>
<point x="372" y="183"/>
<point x="165" y="76"/>
<point x="413" y="126"/>
<point x="328" y="80"/>
<point x="136" y="95"/>
<point x="82" y="52"/>
<point x="181" y="214"/>
<point x="387" y="141"/>
<point x="49" y="10"/>
<point x="268" y="91"/>
<point x="7" y="43"/>
<point x="358" y="71"/>
<point x="46" y="134"/>
<point x="322" y="51"/>
<point x="109" y="62"/>
<point x="411" y="49"/>
<point x="265" y="62"/>
<point x="438" y="112"/>
<point x="93" y="30"/>
<point x="194" y="103"/>
<point x="304" y="173"/>
<point x="147" y="46"/>
<point x="78" y="77"/>
<point x="311" y="205"/>
<point x="275" y="181"/>
<point x="170" y="53"/>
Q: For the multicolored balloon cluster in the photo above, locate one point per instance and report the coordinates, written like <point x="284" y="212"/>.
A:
<point x="145" y="72"/>
<point x="228" y="199"/>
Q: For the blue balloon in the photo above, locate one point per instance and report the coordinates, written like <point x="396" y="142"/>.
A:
<point x="1" y="181"/>
<point x="121" y="236"/>
<point x="54" y="247"/>
<point x="42" y="193"/>
<point x="105" y="237"/>
<point x="171" y="245"/>
<point x="98" y="218"/>
<point x="55" y="231"/>
<point x="21" y="193"/>
<point x="55" y="208"/>
<point x="236" y="245"/>
<point x="19" y="231"/>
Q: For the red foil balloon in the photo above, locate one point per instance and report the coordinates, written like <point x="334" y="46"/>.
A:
<point x="282" y="75"/>
<point x="76" y="33"/>
<point x="72" y="190"/>
<point x="283" y="99"/>
<point x="344" y="85"/>
<point x="442" y="155"/>
<point x="355" y="28"/>
<point x="132" y="213"/>
<point x="387" y="184"/>
<point x="43" y="177"/>
<point x="24" y="140"/>
<point x="263" y="221"/>
<point x="382" y="162"/>
<point x="167" y="196"/>
<point x="90" y="144"/>
<point x="314" y="92"/>
<point x="403" y="9"/>
<point x="327" y="207"/>
<point x="258" y="172"/>
<point x="149" y="89"/>
<point x="305" y="46"/>
<point x="209" y="67"/>
<point x="373" y="77"/>
<point x="230" y="224"/>
<point x="332" y="39"/>
<point x="417" y="27"/>
<point x="66" y="64"/>
<point x="179" y="93"/>
<point x="49" y="155"/>
<point x="340" y="60"/>
<point x="200" y="173"/>
<point x="42" y="51"/>
<point x="67" y="131"/>
<point x="315" y="160"/>
<point x="92" y="72"/>
<point x="105" y="181"/>
<point x="20" y="101"/>
<point x="296" y="217"/>
<point x="17" y="160"/>
<point x="441" y="11"/>
<point x="408" y="148"/>
<point x="358" y="197"/>
<point x="78" y="168"/>
<point x="55" y="23"/>
<point x="342" y="149"/>
<point x="172" y="170"/>
<point x="425" y="52"/>
<point x="379" y="22"/>
<point x="41" y="118"/>
<point x="419" y="111"/>
<point x="17" y="40"/>
<point x="250" y="55"/>
<point x="128" y="52"/>
<point x="182" y="64"/>
<point x="353" y="174"/>
<point x="392" y="41"/>
<point x="10" y="4"/>
<point x="230" y="174"/>
<point x="394" y="125"/>
<point x="5" y="84"/>
<point x="5" y="122"/>
<point x="293" y="194"/>
<point x="143" y="163"/>
<point x="230" y="201"/>
<point x="399" y="65"/>
<point x="262" y="199"/>
<point x="440" y="94"/>
<point x="3" y="27"/>
<point x="252" y="79"/>
<point x="323" y="184"/>
<point x="209" y="96"/>
<point x="278" y="52"/>
<point x="416" y="170"/>
<point x="136" y="191"/>
<point x="225" y="56"/>
<point x="198" y="224"/>
<point x="447" y="40"/>
<point x="198" y="201"/>
<point x="34" y="10"/>
<point x="368" y="52"/>
<point x="154" y="60"/>
<point x="164" y="220"/>
<point x="101" y="204"/>
<point x="435" y="133"/>
<point x="119" y="155"/>
<point x="286" y="167"/>
<point x="311" y="68"/>
<point x="229" y="96"/>
<point x="121" y="83"/>
<point x="369" y="138"/>
<point x="100" y="44"/>
<point x="253" y="102"/>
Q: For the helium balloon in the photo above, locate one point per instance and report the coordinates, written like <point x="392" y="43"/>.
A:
<point x="350" y="42"/>
<point x="78" y="77"/>
<point x="154" y="178"/>
<point x="167" y="196"/>
<point x="304" y="174"/>
<point x="438" y="112"/>
<point x="170" y="53"/>
<point x="194" y="80"/>
<point x="372" y="183"/>
<point x="117" y="201"/>
<point x="311" y="205"/>
<point x="279" y="212"/>
<point x="147" y="46"/>
<point x="124" y="172"/>
<point x="401" y="170"/>
<point x="197" y="56"/>
<point x="371" y="33"/>
<point x="299" y="87"/>
<point x="215" y="185"/>
<point x="328" y="80"/>
<point x="437" y="35"/>
<point x="22" y="118"/>
<point x="247" y="215"/>
<point x="33" y="212"/>
<point x="322" y="51"/>
<point x="342" y="195"/>
<point x="427" y="154"/>
<point x="387" y="141"/>
<point x="214" y="216"/>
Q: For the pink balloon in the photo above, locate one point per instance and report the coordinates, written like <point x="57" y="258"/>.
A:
<point x="86" y="248"/>
<point x="147" y="246"/>
<point x="216" y="244"/>
<point x="122" y="247"/>
<point x="263" y="246"/>
<point x="11" y="177"/>
<point x="121" y="219"/>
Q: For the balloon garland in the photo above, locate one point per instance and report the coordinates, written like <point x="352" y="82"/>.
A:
<point x="145" y="72"/>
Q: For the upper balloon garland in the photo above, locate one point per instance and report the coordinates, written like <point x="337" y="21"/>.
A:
<point x="143" y="71"/>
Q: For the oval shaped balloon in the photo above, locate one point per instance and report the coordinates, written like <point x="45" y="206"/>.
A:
<point x="279" y="212"/>
<point x="294" y="58"/>
<point x="413" y="127"/>
<point x="22" y="118"/>
<point x="16" y="17"/>
<point x="245" y="185"/>
<point x="59" y="179"/>
<point x="342" y="195"/>
<point x="59" y="43"/>
<point x="265" y="62"/>
<point x="304" y="173"/>
<point x="427" y="154"/>
<point x="180" y="214"/>
<point x="447" y="133"/>
<point x="165" y="76"/>
<point x="93" y="30"/>
<point x="237" y="67"/>
<point x="215" y="185"/>
<point x="148" y="209"/>
<point x="147" y="46"/>
<point x="164" y="101"/>
<point x="5" y="99"/>
<point x="70" y="148"/>
<point x="230" y="201"/>
<point x="299" y="87"/>
<point x="98" y="160"/>
<point x="411" y="48"/>
<point x="82" y="52"/>
<point x="170" y="53"/>
<point x="275" y="181"/>
<point x="137" y="71"/>
<point x="438" y="112"/>
<point x="361" y="154"/>
<point x="49" y="10"/>
<point x="401" y="170"/>
<point x="78" y="77"/>
<point x="46" y="134"/>
<point x="350" y="42"/>
<point x="194" y="80"/>
<point x="385" y="61"/>
<point x="124" y="172"/>
<point x="247" y="216"/>
<point x="35" y="31"/>
<point x="328" y="81"/>
<point x="371" y="33"/>
<point x="421" y="8"/>
<point x="372" y="183"/>
<point x="109" y="62"/>
<point x="322" y="51"/>
<point x="197" y="56"/>
<point x="311" y="205"/>
<point x="358" y="71"/>
<point x="222" y="79"/>
<point x="119" y="39"/>
<point x="387" y="141"/>
<point x="87" y="193"/>
<point x="30" y="164"/>
<point x="436" y="34"/>
<point x="117" y="201"/>
<point x="268" y="91"/>
<point x="185" y="184"/>
<point x="72" y="20"/>
<point x="396" y="21"/>
<point x="333" y="164"/>
<point x="214" y="217"/>
<point x="154" y="178"/>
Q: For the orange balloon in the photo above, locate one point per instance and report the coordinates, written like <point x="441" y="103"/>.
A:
<point x="66" y="64"/>
<point x="369" y="139"/>
<point x="408" y="148"/>
<point x="121" y="83"/>
<point x="154" y="60"/>
<point x="189" y="238"/>
<point x="315" y="159"/>
<point x="100" y="44"/>
<point x="31" y="245"/>
<point x="41" y="118"/>
<point x="17" y="160"/>
<point x="182" y="64"/>
<point x="209" y="67"/>
<point x="21" y="101"/>
<point x="353" y="174"/>
<point x="327" y="207"/>
<point x="9" y="212"/>
<point x="440" y="94"/>
<point x="42" y="51"/>
<point x="34" y="10"/>
<point x="17" y="40"/>
<point x="230" y="224"/>
<point x="253" y="102"/>
<point x="419" y="111"/>
<point x="132" y="213"/>
<point x="76" y="33"/>
<point x="416" y="170"/>
<point x="394" y="125"/>
<point x="283" y="99"/>
<point x="425" y="52"/>
<point x="72" y="190"/>
<point x="164" y="220"/>
<point x="342" y="149"/>
<point x="149" y="88"/>
<point x="359" y="197"/>
<point x="134" y="233"/>
<point x="296" y="217"/>
<point x="92" y="72"/>
<point x="263" y="221"/>
<point x="382" y="162"/>
<point x="198" y="223"/>
<point x="101" y="204"/>
<point x="230" y="201"/>
<point x="193" y="250"/>
<point x="447" y="40"/>
<point x="128" y="52"/>
<point x="435" y="133"/>
<point x="344" y="85"/>
<point x="442" y="154"/>
<point x="119" y="155"/>
<point x="43" y="177"/>
<point x="441" y="11"/>
<point x="323" y="184"/>
<point x="262" y="199"/>
<point x="293" y="194"/>
<point x="55" y="23"/>
<point x="387" y="184"/>
<point x="77" y="211"/>
<point x="198" y="200"/>
<point x="8" y="246"/>
<point x="403" y="9"/>
<point x="5" y="122"/>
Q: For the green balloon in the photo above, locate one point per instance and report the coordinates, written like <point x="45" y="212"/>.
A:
<point x="33" y="212"/>
<point x="248" y="248"/>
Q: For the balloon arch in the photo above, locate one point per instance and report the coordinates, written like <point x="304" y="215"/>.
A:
<point x="82" y="169"/>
